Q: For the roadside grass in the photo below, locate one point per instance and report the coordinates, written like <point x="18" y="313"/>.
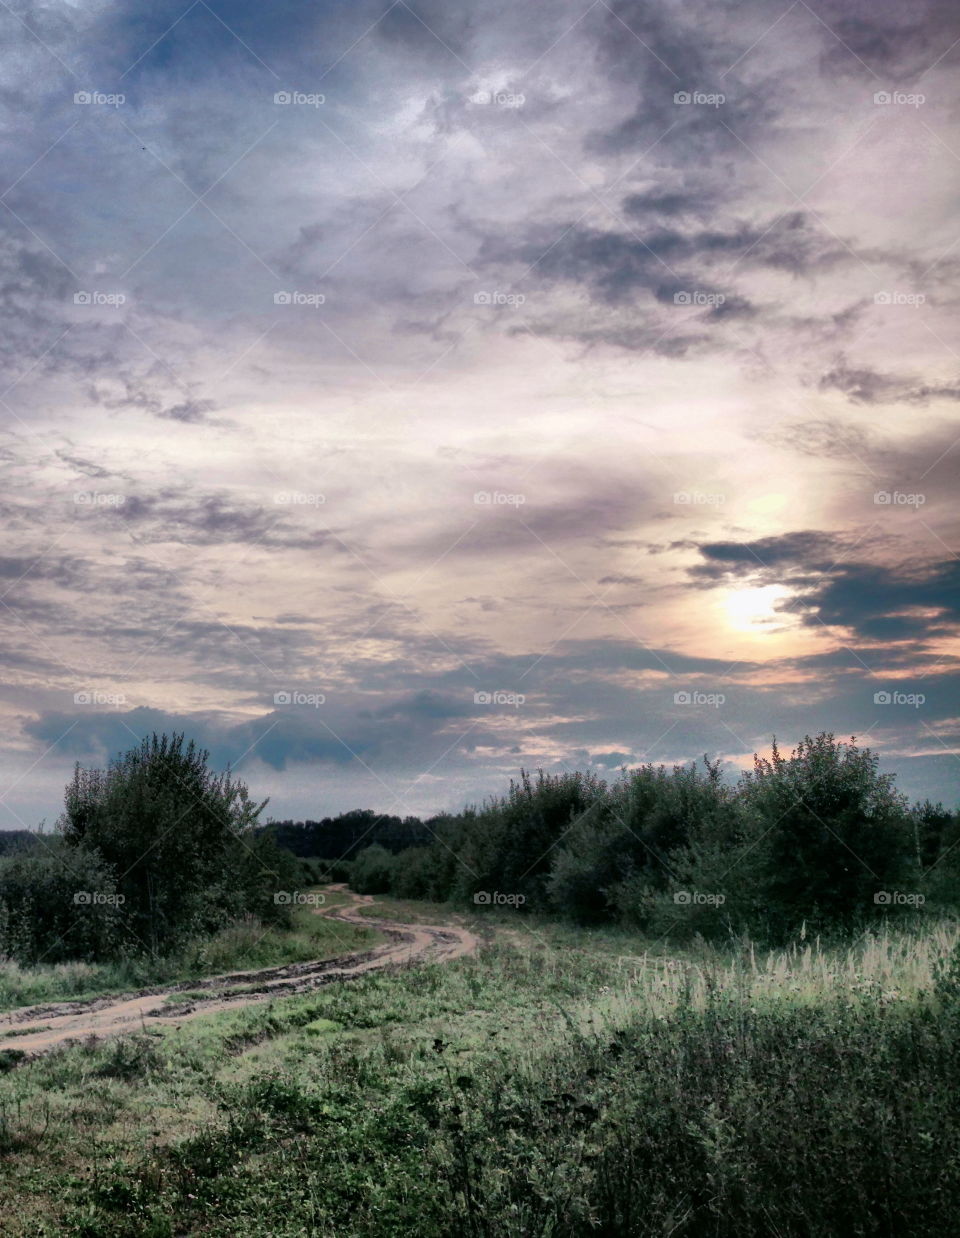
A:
<point x="543" y="1087"/>
<point x="244" y="946"/>
<point x="412" y="911"/>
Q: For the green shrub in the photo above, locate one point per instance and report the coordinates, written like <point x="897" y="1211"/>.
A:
<point x="373" y="871"/>
<point x="59" y="903"/>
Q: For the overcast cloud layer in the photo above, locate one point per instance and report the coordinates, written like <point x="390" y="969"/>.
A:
<point x="396" y="394"/>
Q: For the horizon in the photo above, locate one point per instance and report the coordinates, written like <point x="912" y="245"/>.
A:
<point x="731" y="775"/>
<point x="403" y="394"/>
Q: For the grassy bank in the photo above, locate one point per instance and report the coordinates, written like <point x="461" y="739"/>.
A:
<point x="246" y="945"/>
<point x="556" y="1084"/>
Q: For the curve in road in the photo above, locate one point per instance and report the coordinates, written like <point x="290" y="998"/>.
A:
<point x="132" y="1012"/>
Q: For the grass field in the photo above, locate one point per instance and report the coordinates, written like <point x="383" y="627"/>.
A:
<point x="558" y="1083"/>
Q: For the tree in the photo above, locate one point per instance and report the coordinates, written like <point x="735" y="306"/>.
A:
<point x="938" y="850"/>
<point x="833" y="833"/>
<point x="180" y="838"/>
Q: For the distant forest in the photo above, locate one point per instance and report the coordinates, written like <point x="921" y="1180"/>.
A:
<point x="343" y="836"/>
<point x="12" y="841"/>
<point x="815" y="841"/>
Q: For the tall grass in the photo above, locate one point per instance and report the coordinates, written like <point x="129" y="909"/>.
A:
<point x="538" y="1089"/>
<point x="887" y="966"/>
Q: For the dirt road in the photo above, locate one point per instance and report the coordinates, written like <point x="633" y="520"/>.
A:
<point x="134" y="1012"/>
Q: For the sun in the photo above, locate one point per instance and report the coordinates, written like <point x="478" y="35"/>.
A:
<point x="748" y="609"/>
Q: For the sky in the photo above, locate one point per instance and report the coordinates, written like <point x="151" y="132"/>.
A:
<point x="396" y="395"/>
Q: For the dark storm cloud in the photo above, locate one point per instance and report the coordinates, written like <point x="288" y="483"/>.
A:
<point x="189" y="411"/>
<point x="874" y="601"/>
<point x="88" y="468"/>
<point x="669" y="291"/>
<point x="327" y="733"/>
<point x="674" y="340"/>
<point x="621" y="579"/>
<point x="572" y="705"/>
<point x="20" y="651"/>
<point x="61" y="569"/>
<point x="887" y="38"/>
<point x="178" y="515"/>
<point x="892" y="658"/>
<point x="655" y="203"/>
<point x="871" y="600"/>
<point x="612" y="760"/>
<point x="617" y="264"/>
<point x="426" y="705"/>
<point x="808" y="549"/>
<point x="863" y="385"/>
<point x="591" y="659"/>
<point x="655" y="52"/>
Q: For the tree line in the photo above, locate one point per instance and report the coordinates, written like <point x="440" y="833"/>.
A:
<point x="343" y="836"/>
<point x="817" y="841"/>
<point x="158" y="850"/>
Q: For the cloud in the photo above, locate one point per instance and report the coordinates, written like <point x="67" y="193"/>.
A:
<point x="875" y="602"/>
<point x="867" y="386"/>
<point x="883" y="603"/>
<point x="178" y="515"/>
<point x="824" y="438"/>
<point x="700" y="282"/>
<point x="809" y="549"/>
<point x="886" y="38"/>
<point x="189" y="411"/>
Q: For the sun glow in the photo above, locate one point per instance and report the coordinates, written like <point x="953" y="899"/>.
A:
<point x="748" y="609"/>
